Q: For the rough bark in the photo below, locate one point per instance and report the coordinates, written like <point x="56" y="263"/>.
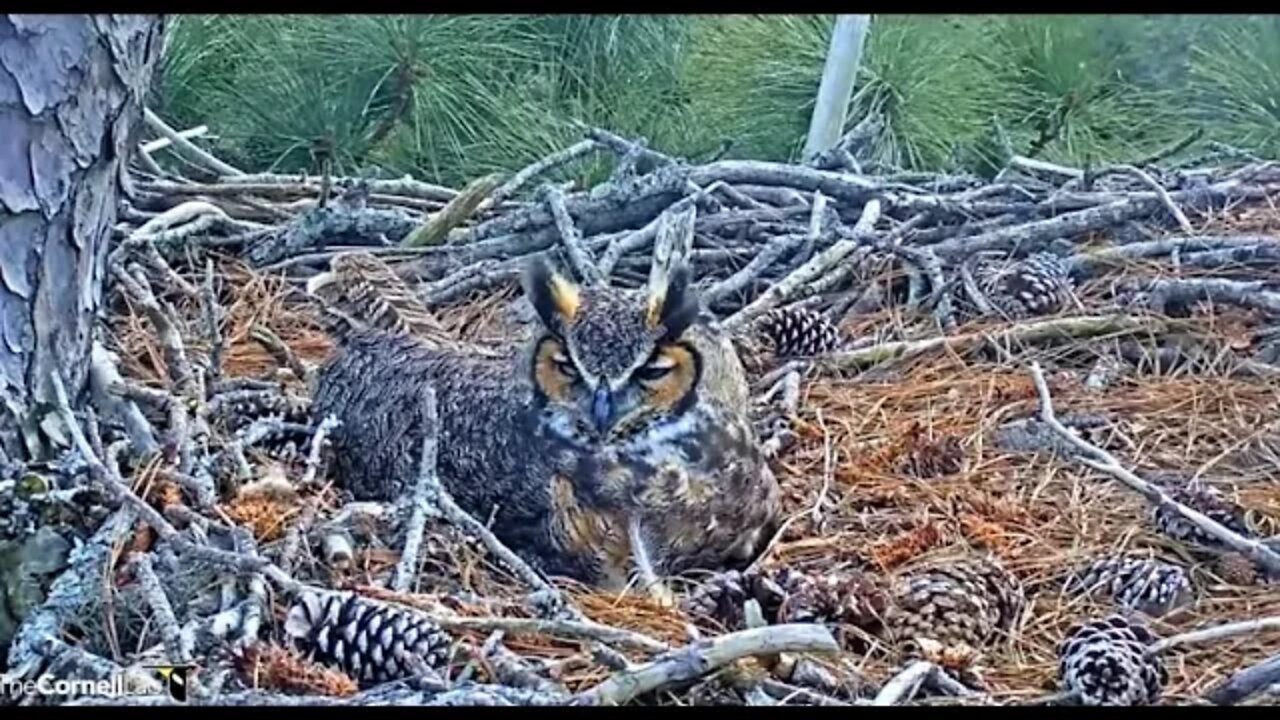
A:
<point x="71" y="93"/>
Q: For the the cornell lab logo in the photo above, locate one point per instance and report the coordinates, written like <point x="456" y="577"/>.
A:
<point x="175" y="679"/>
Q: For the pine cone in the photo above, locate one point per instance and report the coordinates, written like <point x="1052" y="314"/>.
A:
<point x="1210" y="502"/>
<point x="1038" y="285"/>
<point x="787" y="596"/>
<point x="720" y="598"/>
<point x="1236" y="569"/>
<point x="963" y="605"/>
<point x="1149" y="586"/>
<point x="929" y="458"/>
<point x="798" y="331"/>
<point x="836" y="598"/>
<point x="1104" y="663"/>
<point x="371" y="641"/>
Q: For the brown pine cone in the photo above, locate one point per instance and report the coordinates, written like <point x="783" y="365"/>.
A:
<point x="930" y="457"/>
<point x="852" y="599"/>
<point x="720" y="598"/>
<point x="966" y="604"/>
<point x="788" y="596"/>
<point x="1038" y="285"/>
<point x="1236" y="569"/>
<point x="798" y="332"/>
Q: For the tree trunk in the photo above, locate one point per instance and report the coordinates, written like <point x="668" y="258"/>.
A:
<point x="72" y="89"/>
<point x="836" y="87"/>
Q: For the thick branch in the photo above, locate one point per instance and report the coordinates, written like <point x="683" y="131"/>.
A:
<point x="699" y="659"/>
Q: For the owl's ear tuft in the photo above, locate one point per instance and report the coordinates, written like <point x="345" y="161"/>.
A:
<point x="675" y="307"/>
<point x="554" y="297"/>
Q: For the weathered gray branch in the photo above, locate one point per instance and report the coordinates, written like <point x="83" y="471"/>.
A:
<point x="703" y="657"/>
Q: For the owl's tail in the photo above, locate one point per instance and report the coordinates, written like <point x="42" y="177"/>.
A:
<point x="361" y="292"/>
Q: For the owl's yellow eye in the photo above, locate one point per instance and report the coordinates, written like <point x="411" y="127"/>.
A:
<point x="564" y="365"/>
<point x="553" y="372"/>
<point x="659" y="367"/>
<point x="653" y="371"/>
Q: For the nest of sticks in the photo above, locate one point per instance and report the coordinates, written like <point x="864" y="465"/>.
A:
<point x="219" y="510"/>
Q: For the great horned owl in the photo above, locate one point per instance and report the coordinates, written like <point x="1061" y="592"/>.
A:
<point x="617" y="440"/>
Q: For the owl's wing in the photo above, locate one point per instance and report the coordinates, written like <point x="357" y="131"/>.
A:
<point x="361" y="291"/>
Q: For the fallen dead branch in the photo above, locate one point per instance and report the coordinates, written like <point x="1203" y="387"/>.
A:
<point x="1220" y="632"/>
<point x="1054" y="329"/>
<point x="1246" y="683"/>
<point x="705" y="657"/>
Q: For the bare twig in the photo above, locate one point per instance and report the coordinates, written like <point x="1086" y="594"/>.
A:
<point x="211" y="311"/>
<point x="338" y="549"/>
<point x="777" y="249"/>
<point x="271" y="342"/>
<point x="817" y="214"/>
<point x="625" y="243"/>
<point x="406" y="568"/>
<point x="430" y="487"/>
<point x="164" y="142"/>
<point x="622" y="146"/>
<point x="1163" y="194"/>
<point x="512" y="670"/>
<point x="186" y="146"/>
<point x="104" y="379"/>
<point x="904" y="685"/>
<point x="455" y="213"/>
<point x="1103" y="461"/>
<point x="291" y="546"/>
<point x="1253" y="294"/>
<point x="1091" y="261"/>
<point x="1171" y="150"/>
<point x="539" y="167"/>
<point x="804" y="274"/>
<point x="175" y="352"/>
<point x="149" y="163"/>
<point x="583" y="266"/>
<point x="928" y="261"/>
<point x="574" y="629"/>
<point x="1212" y="634"/>
<point x="120" y="490"/>
<point x="1034" y="166"/>
<point x="1031" y="332"/>
<point x="316" y="451"/>
<point x="176" y="643"/>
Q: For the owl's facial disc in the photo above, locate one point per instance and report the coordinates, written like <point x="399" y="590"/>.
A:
<point x="614" y="361"/>
<point x="659" y="385"/>
<point x="654" y="388"/>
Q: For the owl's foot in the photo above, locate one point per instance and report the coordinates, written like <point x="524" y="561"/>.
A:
<point x="663" y="595"/>
<point x="644" y="566"/>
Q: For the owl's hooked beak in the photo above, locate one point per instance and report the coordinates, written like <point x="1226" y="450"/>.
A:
<point x="602" y="408"/>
